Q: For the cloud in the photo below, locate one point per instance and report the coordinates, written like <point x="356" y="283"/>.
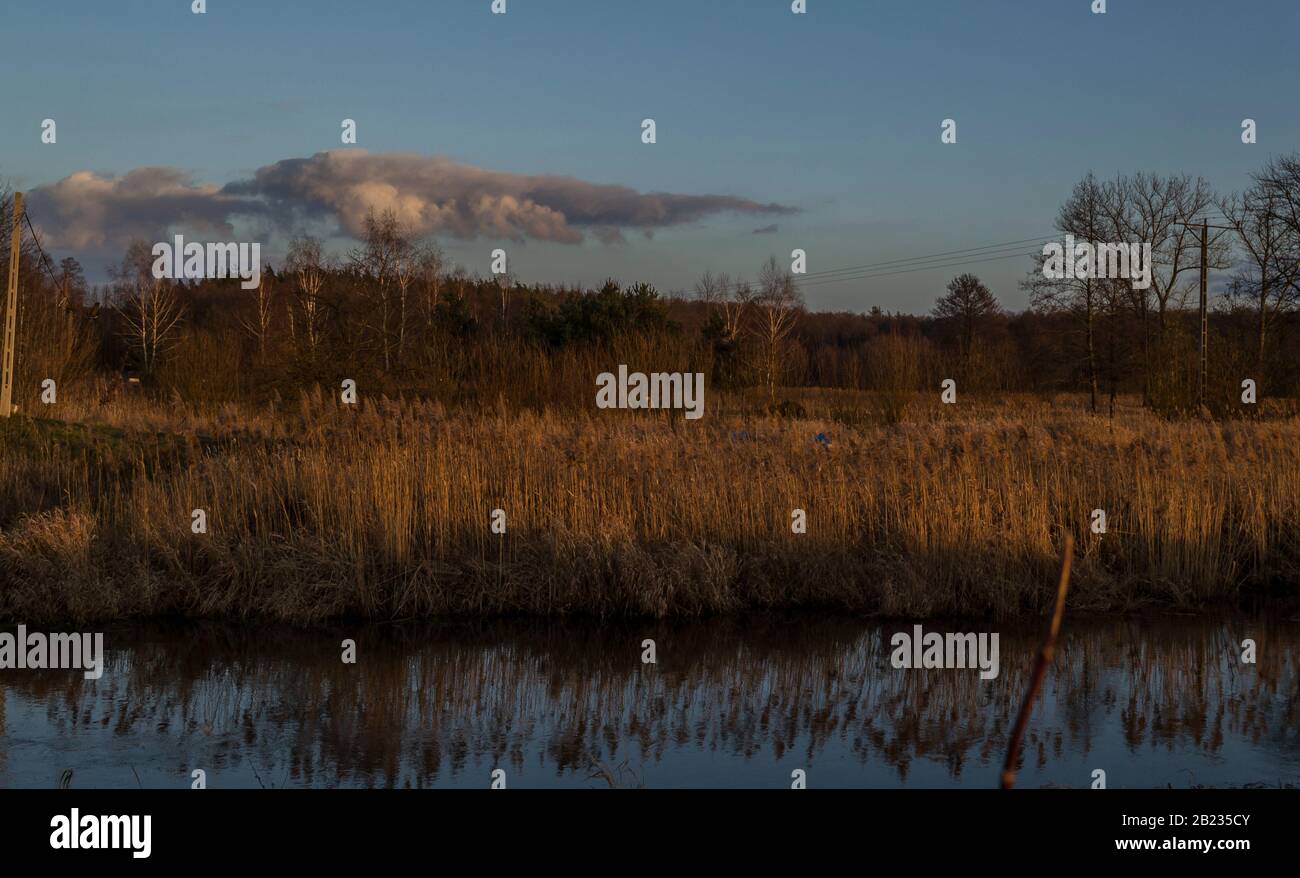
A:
<point x="766" y="230"/>
<point x="436" y="195"/>
<point x="89" y="212"/>
<point x="432" y="195"/>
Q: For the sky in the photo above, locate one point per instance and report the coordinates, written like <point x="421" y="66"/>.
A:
<point x="522" y="131"/>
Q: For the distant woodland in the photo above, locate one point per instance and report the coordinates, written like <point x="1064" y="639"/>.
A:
<point x="395" y="316"/>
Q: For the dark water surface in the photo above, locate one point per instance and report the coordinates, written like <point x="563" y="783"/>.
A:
<point x="735" y="702"/>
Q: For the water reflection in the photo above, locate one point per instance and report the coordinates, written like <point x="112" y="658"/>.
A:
<point x="737" y="702"/>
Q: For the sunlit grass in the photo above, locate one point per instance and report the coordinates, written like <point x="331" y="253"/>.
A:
<point x="384" y="511"/>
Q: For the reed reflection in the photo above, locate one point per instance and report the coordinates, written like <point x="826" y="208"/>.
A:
<point x="729" y="702"/>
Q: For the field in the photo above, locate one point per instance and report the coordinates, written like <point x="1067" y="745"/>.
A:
<point x="384" y="510"/>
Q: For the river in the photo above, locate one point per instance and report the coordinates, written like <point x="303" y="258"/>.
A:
<point x="735" y="702"/>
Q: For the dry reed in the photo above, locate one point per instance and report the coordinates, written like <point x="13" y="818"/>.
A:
<point x="384" y="511"/>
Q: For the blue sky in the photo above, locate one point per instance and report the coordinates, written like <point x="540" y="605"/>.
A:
<point x="836" y="112"/>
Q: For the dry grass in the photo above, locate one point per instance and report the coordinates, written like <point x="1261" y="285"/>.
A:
<point x="384" y="511"/>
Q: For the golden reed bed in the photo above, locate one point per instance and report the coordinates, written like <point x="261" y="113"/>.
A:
<point x="384" y="511"/>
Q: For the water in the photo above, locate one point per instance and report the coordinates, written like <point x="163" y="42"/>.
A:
<point x="731" y="703"/>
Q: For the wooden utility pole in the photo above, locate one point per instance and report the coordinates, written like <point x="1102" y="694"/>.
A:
<point x="1205" y="318"/>
<point x="1203" y="372"/>
<point x="11" y="313"/>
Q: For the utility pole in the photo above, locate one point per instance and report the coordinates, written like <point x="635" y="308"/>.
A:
<point x="11" y="313"/>
<point x="1203" y="372"/>
<point x="1205" y="318"/>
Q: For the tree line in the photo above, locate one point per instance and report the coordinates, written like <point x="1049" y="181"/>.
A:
<point x="394" y="314"/>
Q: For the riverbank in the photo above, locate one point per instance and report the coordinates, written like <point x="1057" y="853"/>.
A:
<point x="314" y="512"/>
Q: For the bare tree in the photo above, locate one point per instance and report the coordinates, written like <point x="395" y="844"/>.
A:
<point x="384" y="245"/>
<point x="1084" y="216"/>
<point x="404" y="273"/>
<point x="505" y="283"/>
<point x="710" y="289"/>
<point x="430" y="264"/>
<point x="56" y="338"/>
<point x="1269" y="278"/>
<point x="308" y="268"/>
<point x="1160" y="211"/>
<point x="150" y="308"/>
<point x="259" y="326"/>
<point x="71" y="283"/>
<point x="777" y="308"/>
<point x="1280" y="177"/>
<point x="969" y="304"/>
<point x="726" y="300"/>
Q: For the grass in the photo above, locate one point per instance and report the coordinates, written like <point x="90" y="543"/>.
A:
<point x="384" y="511"/>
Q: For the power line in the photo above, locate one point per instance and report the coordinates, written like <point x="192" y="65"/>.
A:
<point x="868" y="271"/>
<point x="1214" y="215"/>
<point x="847" y="274"/>
<point x="873" y="276"/>
<point x="943" y="259"/>
<point x="37" y="239"/>
<point x="889" y="262"/>
<point x="940" y="260"/>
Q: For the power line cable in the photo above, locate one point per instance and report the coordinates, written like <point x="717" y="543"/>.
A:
<point x="937" y="262"/>
<point x="873" y="276"/>
<point x="44" y="259"/>
<point x="891" y="262"/>
<point x="944" y="259"/>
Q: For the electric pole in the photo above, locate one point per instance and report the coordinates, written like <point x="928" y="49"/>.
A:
<point x="1203" y="372"/>
<point x="11" y="313"/>
<point x="1205" y="319"/>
